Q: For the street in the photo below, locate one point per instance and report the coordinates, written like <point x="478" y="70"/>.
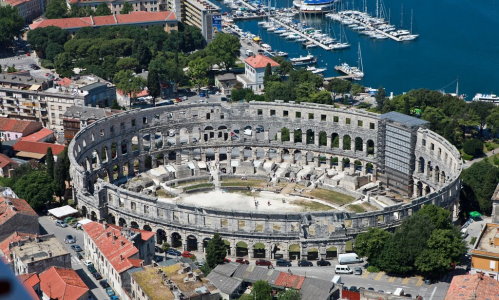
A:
<point x="60" y="233"/>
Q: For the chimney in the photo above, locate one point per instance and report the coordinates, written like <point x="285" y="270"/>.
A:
<point x="122" y="243"/>
<point x="92" y="20"/>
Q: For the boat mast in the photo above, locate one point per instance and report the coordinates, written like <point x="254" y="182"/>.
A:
<point x="402" y="15"/>
<point x="377" y="8"/>
<point x="457" y="87"/>
<point x="360" y="63"/>
<point x="412" y="15"/>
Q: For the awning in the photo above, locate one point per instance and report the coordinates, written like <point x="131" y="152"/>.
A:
<point x="257" y="163"/>
<point x="84" y="221"/>
<point x="268" y="165"/>
<point x="201" y="164"/>
<point x="35" y="87"/>
<point x="30" y="154"/>
<point x="256" y="39"/>
<point x="158" y="171"/>
<point x="234" y="163"/>
<point x="62" y="211"/>
<point x="475" y="214"/>
<point x="170" y="168"/>
<point x="191" y="165"/>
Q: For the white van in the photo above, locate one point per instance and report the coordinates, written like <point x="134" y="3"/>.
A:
<point x="342" y="269"/>
<point x="336" y="279"/>
<point x="399" y="292"/>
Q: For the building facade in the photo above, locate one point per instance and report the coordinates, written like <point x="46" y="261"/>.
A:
<point x="202" y="14"/>
<point x="16" y="215"/>
<point x="117" y="5"/>
<point x="485" y="252"/>
<point x="62" y="284"/>
<point x="351" y="135"/>
<point x="77" y="117"/>
<point x="28" y="9"/>
<point x="254" y="71"/>
<point x="13" y="129"/>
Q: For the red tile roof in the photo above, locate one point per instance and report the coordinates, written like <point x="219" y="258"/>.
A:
<point x="29" y="281"/>
<point x="16" y="2"/>
<point x="14" y="237"/>
<point x="38" y="136"/>
<point x="20" y="205"/>
<point x="131" y="18"/>
<point x="21" y="126"/>
<point x="289" y="280"/>
<point x="117" y="249"/>
<point x="5" y="161"/>
<point x="143" y="93"/>
<point x="37" y="147"/>
<point x="476" y="286"/>
<point x="62" y="284"/>
<point x="144" y="234"/>
<point x="260" y="61"/>
<point x="64" y="82"/>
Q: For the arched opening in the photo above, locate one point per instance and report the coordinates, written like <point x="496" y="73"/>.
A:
<point x="158" y="140"/>
<point x="205" y="243"/>
<point x="176" y="240"/>
<point x="160" y="236"/>
<point x="312" y="254"/>
<point x="335" y="140"/>
<point x="277" y="251"/>
<point x="227" y="246"/>
<point x="347" y="142"/>
<point x="420" y="188"/>
<point x="346" y="162"/>
<point x="285" y="134"/>
<point x="114" y="151"/>
<point x="93" y="216"/>
<point x="322" y="138"/>
<point x="334" y="161"/>
<point x="370" y="147"/>
<point x="259" y="250"/>
<point x="84" y="211"/>
<point x="294" y="251"/>
<point x="421" y="165"/>
<point x="310" y="137"/>
<point x="369" y="167"/>
<point x="241" y="249"/>
<point x="192" y="243"/>
<point x="146" y="142"/>
<point x="160" y="159"/>
<point x="111" y="219"/>
<point x="103" y="155"/>
<point x="298" y="135"/>
<point x="442" y="177"/>
<point x="437" y="174"/>
<point x="359" y="144"/>
<point x="122" y="222"/>
<point x="147" y="228"/>
<point x="148" y="163"/>
<point x="134" y="225"/>
<point x="358" y="165"/>
<point x="124" y="147"/>
<point x="427" y="190"/>
<point x="331" y="252"/>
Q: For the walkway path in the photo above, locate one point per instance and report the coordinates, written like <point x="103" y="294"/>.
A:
<point x="215" y="174"/>
<point x="288" y="188"/>
<point x="468" y="163"/>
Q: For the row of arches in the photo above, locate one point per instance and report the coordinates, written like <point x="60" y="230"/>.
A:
<point x="431" y="171"/>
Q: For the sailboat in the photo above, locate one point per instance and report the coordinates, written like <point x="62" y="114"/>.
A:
<point x="356" y="73"/>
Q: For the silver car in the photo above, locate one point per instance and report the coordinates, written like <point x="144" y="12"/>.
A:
<point x="69" y="239"/>
<point x="357" y="271"/>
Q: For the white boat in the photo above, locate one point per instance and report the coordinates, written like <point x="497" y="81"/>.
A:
<point x="303" y="60"/>
<point x="356" y="73"/>
<point x="266" y="47"/>
<point x="487" y="98"/>
<point x="315" y="70"/>
<point x="281" y="53"/>
<point x="408" y="37"/>
<point x="314" y="6"/>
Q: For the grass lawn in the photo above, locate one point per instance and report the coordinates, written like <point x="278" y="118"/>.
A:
<point x="331" y="196"/>
<point x="243" y="183"/>
<point x="311" y="205"/>
<point x="163" y="194"/>
<point x="198" y="186"/>
<point x="191" y="182"/>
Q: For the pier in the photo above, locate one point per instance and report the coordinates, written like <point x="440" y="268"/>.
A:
<point x="367" y="25"/>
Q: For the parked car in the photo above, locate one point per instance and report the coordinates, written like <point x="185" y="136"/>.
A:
<point x="88" y="263"/>
<point x="34" y="67"/>
<point x="61" y="224"/>
<point x="323" y="263"/>
<point x="353" y="288"/>
<point x="242" y="261"/>
<point x="187" y="254"/>
<point x="283" y="263"/>
<point x="114" y="297"/>
<point x="91" y="269"/>
<point x="103" y="283"/>
<point x="76" y="248"/>
<point x="69" y="220"/>
<point x="109" y="291"/>
<point x="305" y="263"/>
<point x="263" y="262"/>
<point x="158" y="249"/>
<point x="97" y="275"/>
<point x="173" y="252"/>
<point x="79" y="255"/>
<point x="227" y="260"/>
<point x="69" y="239"/>
<point x="357" y="271"/>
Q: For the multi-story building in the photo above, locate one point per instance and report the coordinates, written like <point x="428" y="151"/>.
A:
<point x="471" y="287"/>
<point x="61" y="283"/>
<point x="16" y="215"/>
<point x="115" y="250"/>
<point x="35" y="255"/>
<point x="203" y="14"/>
<point x="5" y="246"/>
<point x="254" y="71"/>
<point x="117" y="5"/>
<point x="23" y="96"/>
<point x="485" y="252"/>
<point x="13" y="129"/>
<point x="28" y="9"/>
<point x="77" y="117"/>
<point x="143" y="19"/>
<point x="6" y="165"/>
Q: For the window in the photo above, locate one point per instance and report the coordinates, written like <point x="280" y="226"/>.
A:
<point x="347" y="121"/>
<point x="298" y="115"/>
<point x="207" y="116"/>
<point x="432" y="146"/>
<point x="259" y="112"/>
<point x="371" y="125"/>
<point x="285" y="113"/>
<point x="272" y="112"/>
<point x="310" y="116"/>
<point x="423" y="142"/>
<point x="222" y="116"/>
<point x="360" y="123"/>
<point x="323" y="118"/>
<point x="133" y="122"/>
<point x="336" y="119"/>
<point x="144" y="120"/>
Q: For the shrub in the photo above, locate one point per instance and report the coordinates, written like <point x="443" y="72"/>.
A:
<point x="473" y="147"/>
<point x="373" y="269"/>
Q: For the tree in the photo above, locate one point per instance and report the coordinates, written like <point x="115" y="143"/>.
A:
<point x="482" y="111"/>
<point x="215" y="252"/>
<point x="285" y="66"/>
<point x="49" y="160"/>
<point x="262" y="290"/>
<point x="357" y="89"/>
<point x="40" y="38"/>
<point x="102" y="10"/>
<point x="225" y="48"/>
<point x="198" y="72"/>
<point x="142" y="54"/>
<point x="303" y="91"/>
<point x="61" y="174"/>
<point x="128" y="83"/>
<point x="267" y="74"/>
<point x="64" y="64"/>
<point x="153" y="83"/>
<point x="493" y="121"/>
<point x="56" y="9"/>
<point x="444" y="249"/>
<point x="371" y="243"/>
<point x="11" y="69"/>
<point x="479" y="181"/>
<point x="35" y="187"/>
<point x="380" y="98"/>
<point x="10" y="23"/>
<point x="127" y="8"/>
<point x="339" y="86"/>
<point x="165" y="246"/>
<point x="473" y="147"/>
<point x="52" y="50"/>
<point x="127" y="63"/>
<point x="289" y="294"/>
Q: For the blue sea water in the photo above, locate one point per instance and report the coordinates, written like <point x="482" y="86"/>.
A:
<point x="458" y="40"/>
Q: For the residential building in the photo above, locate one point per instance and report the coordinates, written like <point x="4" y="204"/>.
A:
<point x="254" y="71"/>
<point x="23" y="96"/>
<point x="31" y="282"/>
<point x="16" y="215"/>
<point x="28" y="9"/>
<point x="77" y="117"/>
<point x="35" y="150"/>
<point x="13" y="129"/>
<point x="202" y="14"/>
<point x="485" y="252"/>
<point x="35" y="255"/>
<point x="7" y="165"/>
<point x="5" y="246"/>
<point x="43" y="135"/>
<point x="166" y="19"/>
<point x="495" y="205"/>
<point x="115" y="250"/>
<point x="175" y="6"/>
<point x="117" y="5"/>
<point x="225" y="82"/>
<point x="473" y="287"/>
<point x="62" y="284"/>
<point x="171" y="280"/>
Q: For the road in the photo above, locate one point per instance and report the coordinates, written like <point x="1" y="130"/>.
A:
<point x="60" y="233"/>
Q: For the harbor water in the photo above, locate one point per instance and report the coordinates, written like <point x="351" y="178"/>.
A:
<point x="458" y="40"/>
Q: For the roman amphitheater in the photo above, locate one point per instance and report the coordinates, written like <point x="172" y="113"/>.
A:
<point x="274" y="179"/>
